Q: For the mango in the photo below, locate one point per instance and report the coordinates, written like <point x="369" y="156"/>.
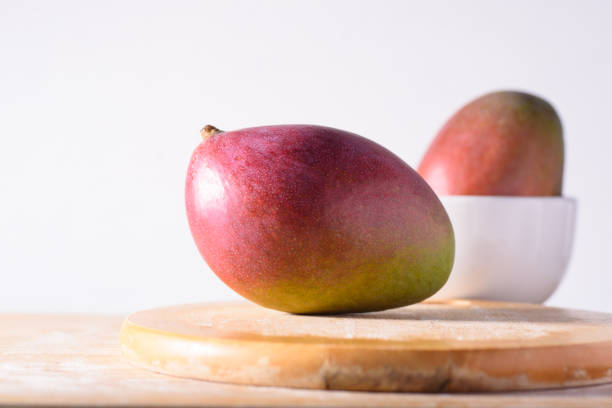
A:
<point x="311" y="219"/>
<point x="503" y="143"/>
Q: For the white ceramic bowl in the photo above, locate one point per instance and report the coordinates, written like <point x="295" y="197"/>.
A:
<point x="509" y="248"/>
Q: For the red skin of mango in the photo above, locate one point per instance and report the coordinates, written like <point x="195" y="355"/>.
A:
<point x="310" y="219"/>
<point x="503" y="143"/>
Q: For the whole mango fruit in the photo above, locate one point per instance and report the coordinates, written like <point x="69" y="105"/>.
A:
<point x="503" y="143"/>
<point x="310" y="219"/>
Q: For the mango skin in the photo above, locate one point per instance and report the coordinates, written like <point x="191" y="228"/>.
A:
<point x="310" y="219"/>
<point x="503" y="143"/>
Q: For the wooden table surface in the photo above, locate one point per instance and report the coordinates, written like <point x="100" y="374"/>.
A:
<point x="52" y="360"/>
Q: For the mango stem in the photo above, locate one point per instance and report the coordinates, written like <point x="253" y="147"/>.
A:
<point x="208" y="131"/>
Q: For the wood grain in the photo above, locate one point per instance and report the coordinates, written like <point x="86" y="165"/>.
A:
<point x="62" y="360"/>
<point x="430" y="347"/>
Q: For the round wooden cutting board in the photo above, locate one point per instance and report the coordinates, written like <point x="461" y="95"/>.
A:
<point x="455" y="345"/>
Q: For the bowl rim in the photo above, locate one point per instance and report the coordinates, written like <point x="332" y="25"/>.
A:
<point x="572" y="200"/>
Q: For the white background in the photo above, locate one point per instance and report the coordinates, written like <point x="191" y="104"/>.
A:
<point x="101" y="105"/>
